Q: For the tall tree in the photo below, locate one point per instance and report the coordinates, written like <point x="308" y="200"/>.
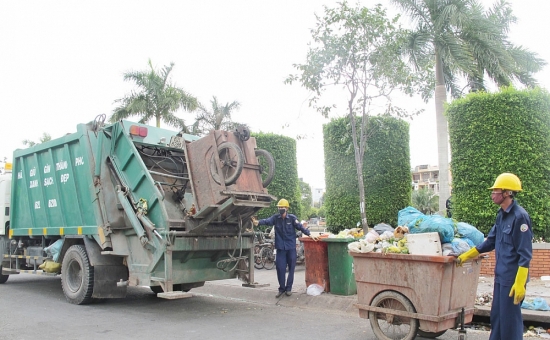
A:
<point x="425" y="200"/>
<point x="466" y="43"/>
<point x="157" y="97"/>
<point x="218" y="117"/>
<point x="307" y="199"/>
<point x="357" y="50"/>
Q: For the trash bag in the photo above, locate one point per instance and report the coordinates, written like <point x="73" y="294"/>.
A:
<point x="435" y="223"/>
<point x="54" y="249"/>
<point x="470" y="232"/>
<point x="50" y="266"/>
<point x="537" y="303"/>
<point x="408" y="216"/>
<point x="382" y="227"/>
<point x="460" y="246"/>
<point x="372" y="236"/>
<point x="315" y="289"/>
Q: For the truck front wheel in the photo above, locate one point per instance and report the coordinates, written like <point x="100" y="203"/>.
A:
<point x="77" y="276"/>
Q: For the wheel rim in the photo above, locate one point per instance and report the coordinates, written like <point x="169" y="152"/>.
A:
<point x="393" y="327"/>
<point x="74" y="276"/>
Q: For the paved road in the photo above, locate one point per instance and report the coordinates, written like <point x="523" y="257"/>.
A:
<point x="34" y="307"/>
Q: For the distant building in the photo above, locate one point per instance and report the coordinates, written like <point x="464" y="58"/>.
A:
<point x="317" y="196"/>
<point x="426" y="176"/>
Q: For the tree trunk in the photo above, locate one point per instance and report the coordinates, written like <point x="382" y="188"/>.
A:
<point x="442" y="135"/>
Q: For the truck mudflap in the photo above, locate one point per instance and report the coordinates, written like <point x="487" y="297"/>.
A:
<point x="110" y="273"/>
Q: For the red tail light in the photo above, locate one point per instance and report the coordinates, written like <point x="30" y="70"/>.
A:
<point x="138" y="131"/>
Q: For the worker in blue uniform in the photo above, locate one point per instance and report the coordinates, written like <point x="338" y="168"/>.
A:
<point x="511" y="236"/>
<point x="285" y="226"/>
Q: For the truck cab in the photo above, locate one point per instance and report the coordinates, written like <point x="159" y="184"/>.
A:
<point x="5" y="196"/>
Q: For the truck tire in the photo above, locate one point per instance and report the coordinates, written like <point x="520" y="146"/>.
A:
<point x="77" y="276"/>
<point x="232" y="162"/>
<point x="267" y="166"/>
<point x="3" y="278"/>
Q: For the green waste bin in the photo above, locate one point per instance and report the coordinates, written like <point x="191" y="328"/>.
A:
<point x="340" y="266"/>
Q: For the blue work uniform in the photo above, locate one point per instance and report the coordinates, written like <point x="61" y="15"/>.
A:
<point x="512" y="239"/>
<point x="285" y="243"/>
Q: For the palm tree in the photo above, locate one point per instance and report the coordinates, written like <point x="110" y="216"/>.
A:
<point x="218" y="117"/>
<point x="156" y="98"/>
<point x="425" y="200"/>
<point x="465" y="42"/>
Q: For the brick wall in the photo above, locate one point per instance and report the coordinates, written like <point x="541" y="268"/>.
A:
<point x="540" y="264"/>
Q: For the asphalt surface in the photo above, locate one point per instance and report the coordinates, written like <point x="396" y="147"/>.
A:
<point x="267" y="288"/>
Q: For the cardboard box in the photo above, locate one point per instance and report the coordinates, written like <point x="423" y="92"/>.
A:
<point x="424" y="244"/>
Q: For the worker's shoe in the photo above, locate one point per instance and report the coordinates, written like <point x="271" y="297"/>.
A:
<point x="288" y="293"/>
<point x="279" y="294"/>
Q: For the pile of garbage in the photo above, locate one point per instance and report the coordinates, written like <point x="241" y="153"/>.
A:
<point x="456" y="237"/>
<point x="349" y="233"/>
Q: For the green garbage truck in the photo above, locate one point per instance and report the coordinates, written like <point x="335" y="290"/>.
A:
<point x="126" y="204"/>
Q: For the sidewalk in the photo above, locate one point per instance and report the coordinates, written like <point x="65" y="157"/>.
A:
<point x="268" y="288"/>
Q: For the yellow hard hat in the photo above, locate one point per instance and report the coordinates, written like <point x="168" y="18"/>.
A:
<point x="283" y="203"/>
<point x="507" y="181"/>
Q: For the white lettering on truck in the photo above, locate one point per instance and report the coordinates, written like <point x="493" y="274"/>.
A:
<point x="62" y="165"/>
<point x="79" y="161"/>
<point x="47" y="169"/>
<point x="48" y="181"/>
<point x="33" y="183"/>
<point x="64" y="178"/>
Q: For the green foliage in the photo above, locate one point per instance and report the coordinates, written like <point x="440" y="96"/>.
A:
<point x="425" y="200"/>
<point x="386" y="170"/>
<point x="217" y="117"/>
<point x="467" y="41"/>
<point x="285" y="182"/>
<point x="46" y="137"/>
<point x="357" y="49"/>
<point x="490" y="134"/>
<point x="306" y="201"/>
<point x="313" y="212"/>
<point x="157" y="97"/>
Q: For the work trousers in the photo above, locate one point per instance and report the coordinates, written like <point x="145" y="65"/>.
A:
<point x="506" y="319"/>
<point x="283" y="259"/>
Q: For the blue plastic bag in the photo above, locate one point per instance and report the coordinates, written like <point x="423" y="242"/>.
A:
<point x="537" y="303"/>
<point x="470" y="232"/>
<point x="435" y="223"/>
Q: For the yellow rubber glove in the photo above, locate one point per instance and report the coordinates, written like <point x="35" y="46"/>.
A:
<point x="518" y="289"/>
<point x="470" y="254"/>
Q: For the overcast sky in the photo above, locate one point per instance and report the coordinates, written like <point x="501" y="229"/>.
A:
<point x="61" y="63"/>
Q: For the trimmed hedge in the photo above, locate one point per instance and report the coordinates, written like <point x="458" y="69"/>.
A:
<point x="285" y="183"/>
<point x="508" y="131"/>
<point x="386" y="171"/>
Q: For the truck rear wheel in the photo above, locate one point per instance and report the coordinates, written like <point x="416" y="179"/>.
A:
<point x="77" y="276"/>
<point x="3" y="278"/>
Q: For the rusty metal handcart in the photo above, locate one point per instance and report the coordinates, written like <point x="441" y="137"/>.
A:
<point x="406" y="295"/>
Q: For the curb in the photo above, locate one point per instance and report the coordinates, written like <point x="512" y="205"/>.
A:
<point x="325" y="301"/>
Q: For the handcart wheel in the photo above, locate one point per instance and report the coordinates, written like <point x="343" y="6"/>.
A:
<point x="430" y="335"/>
<point x="389" y="326"/>
<point x="231" y="163"/>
